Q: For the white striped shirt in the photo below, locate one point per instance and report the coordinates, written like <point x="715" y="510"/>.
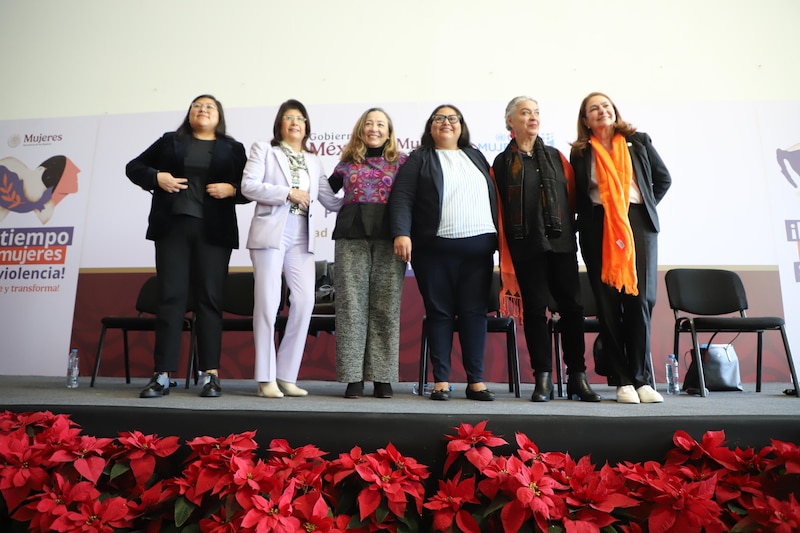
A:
<point x="466" y="211"/>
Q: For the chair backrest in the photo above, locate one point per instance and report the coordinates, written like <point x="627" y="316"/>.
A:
<point x="494" y="293"/>
<point x="147" y="301"/>
<point x="705" y="291"/>
<point x="239" y="293"/>
<point x="587" y="297"/>
<point x="325" y="299"/>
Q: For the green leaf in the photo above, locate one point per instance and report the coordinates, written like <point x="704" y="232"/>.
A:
<point x="183" y="510"/>
<point x="118" y="469"/>
<point x="355" y="522"/>
<point x="382" y="512"/>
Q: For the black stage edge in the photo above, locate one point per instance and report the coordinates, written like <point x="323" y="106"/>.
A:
<point x="422" y="436"/>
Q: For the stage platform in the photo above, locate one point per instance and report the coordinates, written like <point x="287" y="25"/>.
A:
<point x="415" y="425"/>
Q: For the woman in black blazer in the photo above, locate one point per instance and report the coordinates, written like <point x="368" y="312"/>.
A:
<point x="194" y="175"/>
<point x="619" y="179"/>
<point x="443" y="203"/>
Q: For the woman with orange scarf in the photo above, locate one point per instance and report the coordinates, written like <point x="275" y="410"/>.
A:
<point x="619" y="180"/>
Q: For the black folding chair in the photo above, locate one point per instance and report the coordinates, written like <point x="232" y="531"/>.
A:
<point x="698" y="298"/>
<point x="144" y="320"/>
<point x="496" y="323"/>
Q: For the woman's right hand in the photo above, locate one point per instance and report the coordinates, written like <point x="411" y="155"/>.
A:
<point x="299" y="197"/>
<point x="402" y="248"/>
<point x="170" y="183"/>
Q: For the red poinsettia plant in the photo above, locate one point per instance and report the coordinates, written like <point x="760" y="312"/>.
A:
<point x="702" y="486"/>
<point x="53" y="478"/>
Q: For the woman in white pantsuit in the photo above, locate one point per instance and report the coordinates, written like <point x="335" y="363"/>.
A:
<point x="284" y="179"/>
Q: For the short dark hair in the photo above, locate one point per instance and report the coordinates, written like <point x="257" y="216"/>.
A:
<point x="276" y="127"/>
<point x="427" y="138"/>
<point x="186" y="127"/>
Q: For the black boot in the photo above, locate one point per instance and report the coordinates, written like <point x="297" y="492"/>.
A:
<point x="543" y="391"/>
<point x="578" y="388"/>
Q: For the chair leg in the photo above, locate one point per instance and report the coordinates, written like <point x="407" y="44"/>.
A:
<point x="512" y="342"/>
<point x="677" y="338"/>
<point x="652" y="371"/>
<point x="759" y="358"/>
<point x="193" y="359"/>
<point x="423" y="358"/>
<point x="513" y="359"/>
<point x="97" y="357"/>
<point x="127" y="356"/>
<point x="556" y="335"/>
<point x="790" y="361"/>
<point x="510" y="361"/>
<point x="698" y="357"/>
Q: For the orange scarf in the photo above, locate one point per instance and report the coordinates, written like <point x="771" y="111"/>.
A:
<point x="614" y="174"/>
<point x="510" y="297"/>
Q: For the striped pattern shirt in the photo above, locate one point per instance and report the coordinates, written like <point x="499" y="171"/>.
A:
<point x="466" y="211"/>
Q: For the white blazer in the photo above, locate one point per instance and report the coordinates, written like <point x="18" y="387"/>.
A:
<point x="267" y="181"/>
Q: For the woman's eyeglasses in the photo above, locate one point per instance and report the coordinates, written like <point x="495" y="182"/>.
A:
<point x="452" y="119"/>
<point x="298" y="118"/>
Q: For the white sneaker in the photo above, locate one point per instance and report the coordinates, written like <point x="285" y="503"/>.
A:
<point x="627" y="394"/>
<point x="649" y="395"/>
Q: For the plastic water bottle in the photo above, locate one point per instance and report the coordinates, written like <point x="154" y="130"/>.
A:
<point x="426" y="391"/>
<point x="73" y="369"/>
<point x="673" y="377"/>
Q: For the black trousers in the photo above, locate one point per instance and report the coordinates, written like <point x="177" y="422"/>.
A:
<point x="454" y="277"/>
<point x="625" y="319"/>
<point x="540" y="276"/>
<point x="191" y="275"/>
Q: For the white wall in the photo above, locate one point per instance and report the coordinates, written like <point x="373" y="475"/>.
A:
<point x="90" y="57"/>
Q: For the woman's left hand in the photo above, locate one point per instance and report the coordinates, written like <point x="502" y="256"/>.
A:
<point x="220" y="190"/>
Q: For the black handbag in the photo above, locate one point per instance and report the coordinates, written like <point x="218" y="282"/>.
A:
<point x="720" y="369"/>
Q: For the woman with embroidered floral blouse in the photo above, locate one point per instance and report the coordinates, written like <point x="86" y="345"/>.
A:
<point x="369" y="277"/>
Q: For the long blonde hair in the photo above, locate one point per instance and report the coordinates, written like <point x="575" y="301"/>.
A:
<point x="585" y="133"/>
<point x="356" y="149"/>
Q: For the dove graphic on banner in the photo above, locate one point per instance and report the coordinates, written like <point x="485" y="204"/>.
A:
<point x="23" y="189"/>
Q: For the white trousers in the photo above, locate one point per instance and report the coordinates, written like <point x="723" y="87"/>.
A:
<point x="297" y="264"/>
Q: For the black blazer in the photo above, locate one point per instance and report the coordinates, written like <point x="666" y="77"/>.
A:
<point x="167" y="155"/>
<point x="415" y="205"/>
<point x="649" y="170"/>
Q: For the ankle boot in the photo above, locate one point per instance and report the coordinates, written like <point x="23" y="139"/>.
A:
<point x="543" y="391"/>
<point x="578" y="388"/>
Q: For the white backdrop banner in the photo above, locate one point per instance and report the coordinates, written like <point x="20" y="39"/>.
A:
<point x="45" y="178"/>
<point x="780" y="152"/>
<point x="734" y="199"/>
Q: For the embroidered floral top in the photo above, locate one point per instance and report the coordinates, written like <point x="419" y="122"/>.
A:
<point x="367" y="186"/>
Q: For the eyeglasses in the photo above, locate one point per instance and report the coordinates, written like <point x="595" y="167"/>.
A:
<point x="452" y="119"/>
<point x="298" y="118"/>
<point x="206" y="107"/>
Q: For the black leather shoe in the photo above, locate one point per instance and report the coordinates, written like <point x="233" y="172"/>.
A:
<point x="484" y="395"/>
<point x="154" y="389"/>
<point x="578" y="388"/>
<point x="543" y="391"/>
<point x="212" y="388"/>
<point x="382" y="390"/>
<point x="442" y="395"/>
<point x="354" y="390"/>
